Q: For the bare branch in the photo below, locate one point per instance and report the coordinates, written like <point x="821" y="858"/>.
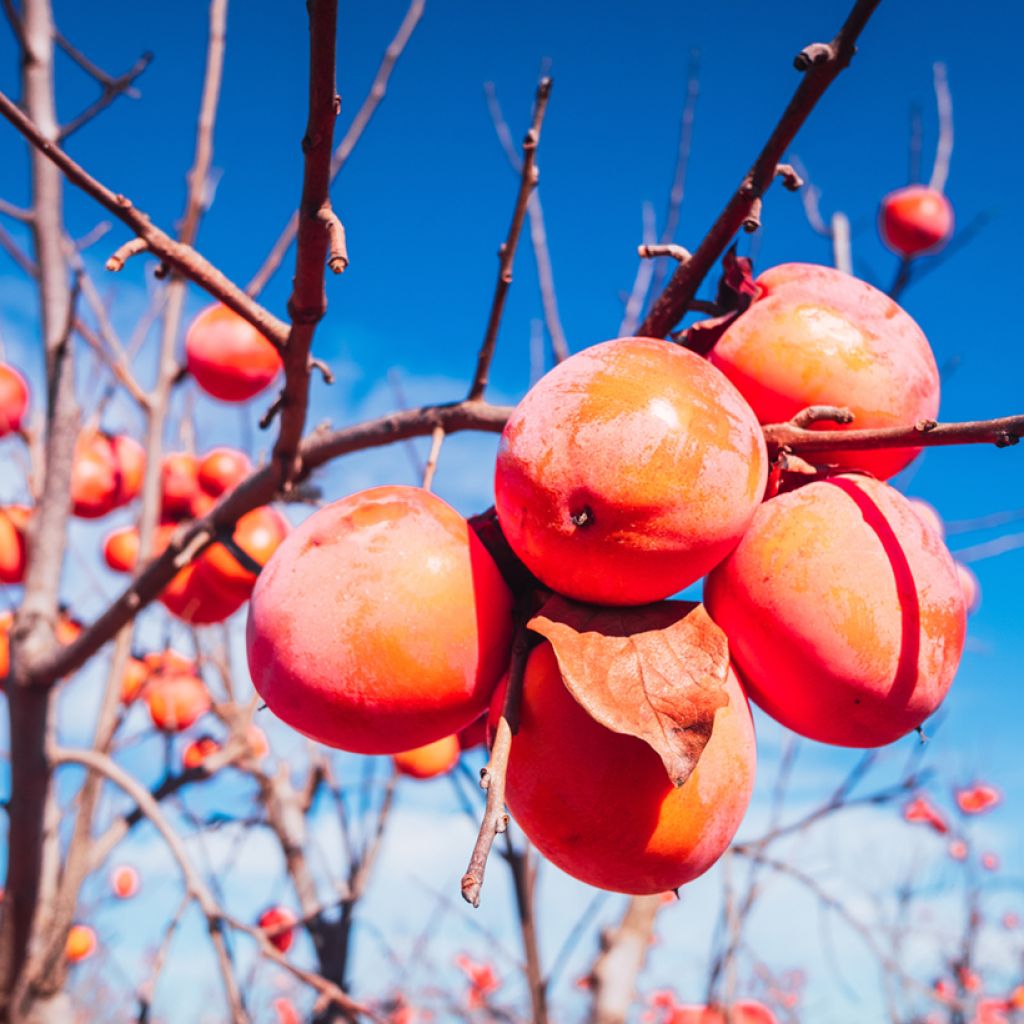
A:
<point x="507" y="253"/>
<point x="112" y="88"/>
<point x="125" y="252"/>
<point x="821" y="64"/>
<point x="17" y="254"/>
<point x="1002" y="432"/>
<point x="944" y="150"/>
<point x="181" y="257"/>
<point x="650" y="252"/>
<point x="538" y="232"/>
<point x="363" y="117"/>
<point x="492" y="775"/>
<point x="15" y="212"/>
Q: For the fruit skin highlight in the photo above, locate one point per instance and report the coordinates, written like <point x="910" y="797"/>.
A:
<point x="380" y="624"/>
<point x="430" y="760"/>
<point x="843" y="610"/>
<point x="600" y="805"/>
<point x="628" y="472"/>
<point x="817" y="336"/>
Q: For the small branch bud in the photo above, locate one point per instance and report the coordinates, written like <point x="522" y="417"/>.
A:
<point x="337" y="259"/>
<point x="816" y="53"/>
<point x="125" y="252"/>
<point x="790" y="179"/>
<point x="650" y="252"/>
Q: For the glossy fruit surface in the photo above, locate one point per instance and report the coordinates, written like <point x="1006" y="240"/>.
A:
<point x="136" y="673"/>
<point x="195" y="596"/>
<point x="600" y="804"/>
<point x="222" y="469"/>
<point x="13" y="548"/>
<point x="228" y="357"/>
<point x="380" y="624"/>
<point x="627" y="472"/>
<point x="816" y="336"/>
<point x="130" y="459"/>
<point x="95" y="477"/>
<point x="13" y="399"/>
<point x="430" y="760"/>
<point x="843" y="611"/>
<point x="176" y="701"/>
<point x="915" y="220"/>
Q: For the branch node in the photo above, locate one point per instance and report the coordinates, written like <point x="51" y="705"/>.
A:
<point x="816" y="53"/>
<point x="752" y="221"/>
<point x="125" y="252"/>
<point x="650" y="252"/>
<point x="275" y="407"/>
<point x="337" y="258"/>
<point x="924" y="426"/>
<point x="822" y="413"/>
<point x="325" y="370"/>
<point x="791" y="180"/>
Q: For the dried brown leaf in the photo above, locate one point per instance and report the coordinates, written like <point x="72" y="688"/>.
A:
<point x="656" y="672"/>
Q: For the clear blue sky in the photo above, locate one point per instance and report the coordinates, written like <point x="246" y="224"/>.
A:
<point x="427" y="197"/>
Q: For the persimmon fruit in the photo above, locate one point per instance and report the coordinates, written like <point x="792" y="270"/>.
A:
<point x="228" y="357"/>
<point x="107" y="473"/>
<point x="279" y="921"/>
<point x="380" y="624"/>
<point x="136" y="674"/>
<point x="195" y="596"/>
<point x="179" y="484"/>
<point x="176" y="701"/>
<point x="80" y="943"/>
<point x="430" y="760"/>
<point x="816" y="336"/>
<point x="843" y="611"/>
<point x="600" y="805"/>
<point x="124" y="881"/>
<point x="13" y="399"/>
<point x="628" y="472"/>
<point x="222" y="469"/>
<point x="258" y="534"/>
<point x="13" y="548"/>
<point x="915" y="220"/>
<point x="196" y="752"/>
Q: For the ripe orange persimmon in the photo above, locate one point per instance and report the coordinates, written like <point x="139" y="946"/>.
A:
<point x="222" y="469"/>
<point x="817" y="336"/>
<point x="915" y="220"/>
<point x="169" y="661"/>
<point x="121" y="549"/>
<point x="13" y="549"/>
<point x="843" y="611"/>
<point x="176" y="701"/>
<point x="13" y="399"/>
<point x="600" y="805"/>
<point x="420" y="623"/>
<point x="195" y="595"/>
<point x="228" y="357"/>
<point x="80" y="944"/>
<point x="6" y="621"/>
<point x="124" y="881"/>
<point x="198" y="751"/>
<point x="258" y="533"/>
<point x="628" y="471"/>
<point x="107" y="473"/>
<point x="136" y="673"/>
<point x="430" y="760"/>
<point x="279" y="921"/>
<point x="179" y="484"/>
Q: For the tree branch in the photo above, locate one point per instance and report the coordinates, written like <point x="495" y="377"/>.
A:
<point x="507" y="253"/>
<point x="180" y="257"/>
<point x="821" y="63"/>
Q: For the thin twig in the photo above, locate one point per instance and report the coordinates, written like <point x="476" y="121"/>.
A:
<point x="944" y="150"/>
<point x="492" y="775"/>
<point x="507" y="253"/>
<point x="820" y="63"/>
<point x="355" y="130"/>
<point x="538" y="232"/>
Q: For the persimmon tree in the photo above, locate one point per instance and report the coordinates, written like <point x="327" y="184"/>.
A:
<point x="607" y="718"/>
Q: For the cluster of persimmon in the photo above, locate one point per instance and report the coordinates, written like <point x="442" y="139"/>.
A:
<point x="631" y="471"/>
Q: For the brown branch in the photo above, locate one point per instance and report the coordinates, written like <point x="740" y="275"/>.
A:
<point x="125" y="252"/>
<point x="523" y="864"/>
<point x="944" y="150"/>
<point x="436" y="440"/>
<point x="259" y="489"/>
<point x="821" y="64"/>
<point x="651" y="252"/>
<point x="1002" y="432"/>
<point x="538" y="232"/>
<point x="623" y="953"/>
<point x="492" y="775"/>
<point x="17" y="254"/>
<point x="308" y="301"/>
<point x="147" y="990"/>
<point x="507" y="253"/>
<point x="177" y="255"/>
<point x="363" y="117"/>
<point x="15" y="212"/>
<point x="122" y="85"/>
<point x="642" y="278"/>
<point x="337" y="258"/>
<point x="115" y="363"/>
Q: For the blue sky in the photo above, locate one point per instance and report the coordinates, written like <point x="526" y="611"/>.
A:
<point x="426" y="200"/>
